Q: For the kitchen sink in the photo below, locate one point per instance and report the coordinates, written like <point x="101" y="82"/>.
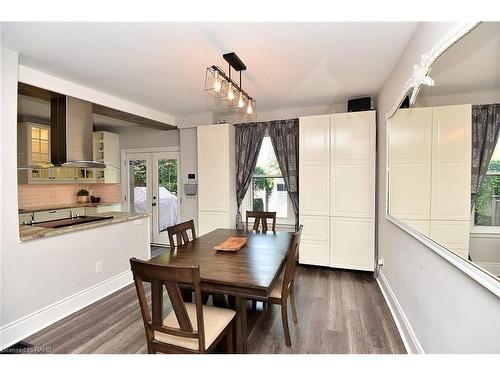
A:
<point x="60" y="223"/>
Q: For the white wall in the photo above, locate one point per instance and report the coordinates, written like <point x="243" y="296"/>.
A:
<point x="448" y="311"/>
<point x="44" y="280"/>
<point x="189" y="164"/>
<point x="137" y="137"/>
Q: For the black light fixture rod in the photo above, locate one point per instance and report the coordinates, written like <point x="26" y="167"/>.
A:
<point x="235" y="85"/>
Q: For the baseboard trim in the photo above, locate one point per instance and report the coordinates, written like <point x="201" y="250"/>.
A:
<point x="30" y="324"/>
<point x="405" y="329"/>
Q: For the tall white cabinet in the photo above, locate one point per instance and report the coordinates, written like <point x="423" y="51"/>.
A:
<point x="429" y="172"/>
<point x="337" y="190"/>
<point x="216" y="177"/>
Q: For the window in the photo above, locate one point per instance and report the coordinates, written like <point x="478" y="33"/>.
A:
<point x="487" y="204"/>
<point x="268" y="187"/>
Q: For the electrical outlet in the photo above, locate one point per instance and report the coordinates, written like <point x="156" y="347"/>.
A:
<point x="98" y="267"/>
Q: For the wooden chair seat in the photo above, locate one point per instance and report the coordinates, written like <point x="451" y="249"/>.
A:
<point x="216" y="319"/>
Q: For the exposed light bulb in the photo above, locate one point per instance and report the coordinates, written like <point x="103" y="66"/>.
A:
<point x="217" y="83"/>
<point x="249" y="107"/>
<point x="241" y="103"/>
<point x="230" y="92"/>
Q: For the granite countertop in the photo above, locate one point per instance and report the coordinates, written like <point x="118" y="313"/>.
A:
<point x="27" y="232"/>
<point x="66" y="205"/>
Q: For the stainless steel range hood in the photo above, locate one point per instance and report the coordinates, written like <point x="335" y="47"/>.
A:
<point x="71" y="131"/>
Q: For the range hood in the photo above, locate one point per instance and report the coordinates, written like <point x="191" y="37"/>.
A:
<point x="71" y="131"/>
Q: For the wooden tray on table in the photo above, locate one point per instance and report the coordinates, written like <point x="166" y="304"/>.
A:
<point x="232" y="244"/>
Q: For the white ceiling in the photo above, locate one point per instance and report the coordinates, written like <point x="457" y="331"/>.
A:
<point x="162" y="65"/>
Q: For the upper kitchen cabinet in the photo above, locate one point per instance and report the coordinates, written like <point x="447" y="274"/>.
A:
<point x="33" y="148"/>
<point x="106" y="149"/>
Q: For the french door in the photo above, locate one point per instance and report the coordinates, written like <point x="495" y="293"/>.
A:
<point x="152" y="187"/>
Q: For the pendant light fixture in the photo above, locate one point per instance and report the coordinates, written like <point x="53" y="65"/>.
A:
<point x="222" y="87"/>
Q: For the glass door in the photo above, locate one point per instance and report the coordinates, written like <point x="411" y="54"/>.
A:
<point x="152" y="187"/>
<point x="138" y="184"/>
<point x="166" y="197"/>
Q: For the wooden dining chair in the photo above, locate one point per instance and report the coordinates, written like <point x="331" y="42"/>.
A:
<point x="261" y="216"/>
<point x="284" y="286"/>
<point x="189" y="327"/>
<point x="180" y="231"/>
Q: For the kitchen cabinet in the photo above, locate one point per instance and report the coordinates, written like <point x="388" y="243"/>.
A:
<point x="58" y="214"/>
<point x="216" y="177"/>
<point x="337" y="190"/>
<point x="105" y="208"/>
<point x="429" y="169"/>
<point x="106" y="149"/>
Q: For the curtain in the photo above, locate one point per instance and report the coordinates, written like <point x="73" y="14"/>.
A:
<point x="485" y="132"/>
<point x="284" y="136"/>
<point x="248" y="141"/>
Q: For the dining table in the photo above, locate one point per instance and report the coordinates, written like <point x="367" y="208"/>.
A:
<point x="248" y="273"/>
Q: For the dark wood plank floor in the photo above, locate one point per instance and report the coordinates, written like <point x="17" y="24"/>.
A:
<point x="338" y="311"/>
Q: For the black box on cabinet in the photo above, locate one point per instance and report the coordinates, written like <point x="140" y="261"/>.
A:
<point x="359" y="104"/>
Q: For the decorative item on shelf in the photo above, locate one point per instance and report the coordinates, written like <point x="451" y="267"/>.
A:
<point x="95" y="199"/>
<point x="225" y="90"/>
<point x="82" y="196"/>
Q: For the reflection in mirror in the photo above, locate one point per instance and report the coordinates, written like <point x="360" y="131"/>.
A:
<point x="444" y="152"/>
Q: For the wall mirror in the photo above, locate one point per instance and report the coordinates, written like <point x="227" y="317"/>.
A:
<point x="444" y="152"/>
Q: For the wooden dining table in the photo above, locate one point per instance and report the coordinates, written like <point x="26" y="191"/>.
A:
<point x="246" y="274"/>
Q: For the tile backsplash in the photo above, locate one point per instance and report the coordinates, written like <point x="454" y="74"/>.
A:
<point x="32" y="196"/>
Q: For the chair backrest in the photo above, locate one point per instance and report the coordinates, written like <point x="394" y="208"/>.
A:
<point x="180" y="232"/>
<point x="261" y="216"/>
<point x="170" y="277"/>
<point x="291" y="262"/>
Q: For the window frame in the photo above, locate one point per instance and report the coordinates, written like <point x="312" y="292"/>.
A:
<point x="485" y="230"/>
<point x="247" y="204"/>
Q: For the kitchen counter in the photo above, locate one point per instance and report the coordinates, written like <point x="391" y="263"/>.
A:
<point x="64" y="206"/>
<point x="27" y="232"/>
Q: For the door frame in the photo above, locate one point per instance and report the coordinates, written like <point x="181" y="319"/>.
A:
<point x="124" y="176"/>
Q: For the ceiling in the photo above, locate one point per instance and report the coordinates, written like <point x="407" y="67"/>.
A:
<point x="162" y="65"/>
<point x="469" y="69"/>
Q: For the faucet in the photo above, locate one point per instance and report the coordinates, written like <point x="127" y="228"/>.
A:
<point x="32" y="220"/>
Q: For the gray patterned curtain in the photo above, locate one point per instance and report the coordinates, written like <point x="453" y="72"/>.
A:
<point x="485" y="132"/>
<point x="284" y="136"/>
<point x="248" y="141"/>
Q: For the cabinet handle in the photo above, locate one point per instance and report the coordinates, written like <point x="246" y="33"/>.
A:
<point x="52" y="212"/>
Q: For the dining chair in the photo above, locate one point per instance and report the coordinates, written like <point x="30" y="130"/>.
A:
<point x="261" y="216"/>
<point x="180" y="231"/>
<point x="189" y="327"/>
<point x="284" y="286"/>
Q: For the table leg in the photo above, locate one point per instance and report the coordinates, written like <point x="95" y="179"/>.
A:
<point x="241" y="325"/>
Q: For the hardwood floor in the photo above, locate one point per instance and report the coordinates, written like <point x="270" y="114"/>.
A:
<point x="338" y="311"/>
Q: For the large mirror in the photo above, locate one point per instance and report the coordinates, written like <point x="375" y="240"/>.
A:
<point x="444" y="152"/>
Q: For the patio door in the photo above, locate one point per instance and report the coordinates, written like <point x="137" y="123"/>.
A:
<point x="152" y="187"/>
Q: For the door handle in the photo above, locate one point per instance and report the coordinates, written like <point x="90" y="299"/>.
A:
<point x="154" y="204"/>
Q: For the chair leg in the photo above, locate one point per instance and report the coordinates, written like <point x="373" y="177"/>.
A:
<point x="230" y="339"/>
<point x="284" y="319"/>
<point x="292" y="303"/>
<point x="254" y="305"/>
